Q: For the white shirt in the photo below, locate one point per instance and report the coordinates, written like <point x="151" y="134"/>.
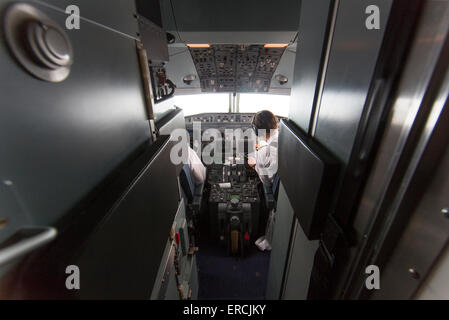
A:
<point x="197" y="169"/>
<point x="266" y="157"/>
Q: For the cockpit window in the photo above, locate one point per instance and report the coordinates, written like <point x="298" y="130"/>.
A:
<point x="201" y="103"/>
<point x="219" y="102"/>
<point x="254" y="102"/>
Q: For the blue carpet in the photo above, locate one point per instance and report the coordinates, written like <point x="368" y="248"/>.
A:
<point x="226" y="277"/>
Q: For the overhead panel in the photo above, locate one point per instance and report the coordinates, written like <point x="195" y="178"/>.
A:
<point x="236" y="68"/>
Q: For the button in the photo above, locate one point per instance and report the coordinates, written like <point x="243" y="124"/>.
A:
<point x="49" y="45"/>
<point x="415" y="274"/>
<point x="58" y="45"/>
<point x="39" y="44"/>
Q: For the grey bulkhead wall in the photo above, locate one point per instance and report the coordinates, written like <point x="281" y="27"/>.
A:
<point x="352" y="60"/>
<point x="231" y="15"/>
<point x="312" y="30"/>
<point x="59" y="140"/>
<point x="311" y="41"/>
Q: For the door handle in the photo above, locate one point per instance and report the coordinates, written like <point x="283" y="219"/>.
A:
<point x="24" y="241"/>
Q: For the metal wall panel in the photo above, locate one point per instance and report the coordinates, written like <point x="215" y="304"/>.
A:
<point x="309" y="174"/>
<point x="117" y="239"/>
<point x="426" y="235"/>
<point x="164" y="268"/>
<point x="249" y="15"/>
<point x="311" y="40"/>
<point x="171" y="121"/>
<point x="180" y="65"/>
<point x="353" y="55"/>
<point x="285" y="68"/>
<point x="352" y="61"/>
<point x="435" y="286"/>
<point x="408" y="113"/>
<point x="296" y="259"/>
<point x="280" y="245"/>
<point x="121" y="259"/>
<point x="237" y="37"/>
<point x="302" y="255"/>
<point x="59" y="140"/>
<point x="115" y="14"/>
<point x="252" y="21"/>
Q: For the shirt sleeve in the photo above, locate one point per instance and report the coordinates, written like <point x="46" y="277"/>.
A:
<point x="252" y="151"/>
<point x="262" y="161"/>
<point x="197" y="169"/>
<point x="265" y="158"/>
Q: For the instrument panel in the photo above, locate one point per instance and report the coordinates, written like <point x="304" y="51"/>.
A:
<point x="220" y="118"/>
<point x="242" y="120"/>
<point x="241" y="181"/>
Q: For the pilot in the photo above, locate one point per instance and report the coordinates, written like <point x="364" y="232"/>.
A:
<point x="265" y="160"/>
<point x="265" y="156"/>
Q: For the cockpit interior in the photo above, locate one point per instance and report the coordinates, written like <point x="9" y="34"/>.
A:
<point x="232" y="150"/>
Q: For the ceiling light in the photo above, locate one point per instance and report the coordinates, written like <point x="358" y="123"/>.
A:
<point x="198" y="45"/>
<point x="275" y="45"/>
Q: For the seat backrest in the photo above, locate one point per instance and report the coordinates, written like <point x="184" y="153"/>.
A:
<point x="186" y="180"/>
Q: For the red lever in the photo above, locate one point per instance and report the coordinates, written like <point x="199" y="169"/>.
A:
<point x="178" y="238"/>
<point x="246" y="237"/>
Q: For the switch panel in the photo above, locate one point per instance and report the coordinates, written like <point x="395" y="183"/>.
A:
<point x="236" y="68"/>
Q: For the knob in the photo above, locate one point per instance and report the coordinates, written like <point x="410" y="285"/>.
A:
<point x="48" y="45"/>
<point x="37" y="42"/>
<point x="234" y="221"/>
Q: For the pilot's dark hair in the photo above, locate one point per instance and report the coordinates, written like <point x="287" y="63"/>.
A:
<point x="265" y="120"/>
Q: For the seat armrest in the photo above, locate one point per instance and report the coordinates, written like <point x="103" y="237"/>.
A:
<point x="199" y="189"/>
<point x="270" y="201"/>
<point x="198" y="197"/>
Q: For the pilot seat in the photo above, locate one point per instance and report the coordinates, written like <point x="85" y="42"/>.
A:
<point x="193" y="197"/>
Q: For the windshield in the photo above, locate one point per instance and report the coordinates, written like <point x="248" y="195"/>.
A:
<point x="219" y="102"/>
<point x="254" y="102"/>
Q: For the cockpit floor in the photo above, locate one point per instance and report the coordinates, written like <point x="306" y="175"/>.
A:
<point x="222" y="276"/>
